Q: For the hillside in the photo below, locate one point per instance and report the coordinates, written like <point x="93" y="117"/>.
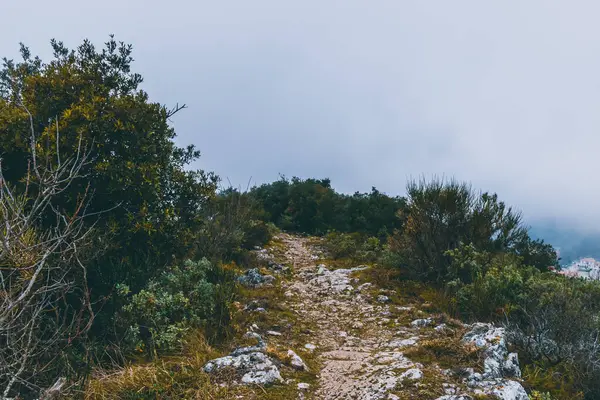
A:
<point x="326" y="331"/>
<point x="128" y="275"/>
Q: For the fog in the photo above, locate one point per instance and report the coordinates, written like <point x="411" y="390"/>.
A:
<point x="503" y="95"/>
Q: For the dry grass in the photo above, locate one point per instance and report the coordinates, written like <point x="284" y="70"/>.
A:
<point x="445" y="351"/>
<point x="169" y="378"/>
<point x="182" y="377"/>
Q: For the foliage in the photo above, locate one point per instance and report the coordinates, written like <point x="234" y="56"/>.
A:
<point x="559" y="327"/>
<point x="552" y="319"/>
<point x="145" y="203"/>
<point x="178" y="377"/>
<point x="233" y="223"/>
<point x="45" y="307"/>
<point x="313" y="206"/>
<point x="494" y="295"/>
<point x="181" y="298"/>
<point x="441" y="216"/>
<point x="352" y="245"/>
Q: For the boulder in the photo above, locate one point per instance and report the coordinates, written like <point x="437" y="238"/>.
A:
<point x="413" y="374"/>
<point x="383" y="299"/>
<point x="510" y="390"/>
<point x="296" y="361"/>
<point x="498" y="364"/>
<point x="310" y="347"/>
<point x="419" y="323"/>
<point x="253" y="278"/>
<point x="254" y="368"/>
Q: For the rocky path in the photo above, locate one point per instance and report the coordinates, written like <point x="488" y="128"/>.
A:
<point x="368" y="343"/>
<point x="355" y="345"/>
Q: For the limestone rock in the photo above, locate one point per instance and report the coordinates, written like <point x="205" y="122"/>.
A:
<point x="296" y="361"/>
<point x="419" y="323"/>
<point x="498" y="364"/>
<point x="310" y="347"/>
<point x="254" y="368"/>
<point x="510" y="390"/>
<point x="253" y="278"/>
<point x="413" y="374"/>
<point x="383" y="298"/>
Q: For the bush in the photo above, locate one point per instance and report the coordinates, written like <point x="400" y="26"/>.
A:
<point x="442" y="216"/>
<point x="559" y="326"/>
<point x="495" y="295"/>
<point x="313" y="206"/>
<point x="144" y="202"/>
<point x="353" y="246"/>
<point x="232" y="224"/>
<point x="159" y="316"/>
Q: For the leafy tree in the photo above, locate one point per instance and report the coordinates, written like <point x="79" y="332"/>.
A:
<point x="146" y="207"/>
<point x="313" y="206"/>
<point x="138" y="172"/>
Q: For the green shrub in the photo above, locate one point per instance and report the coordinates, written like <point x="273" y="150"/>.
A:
<point x="353" y="246"/>
<point x="232" y="224"/>
<point x="559" y="327"/>
<point x="341" y="245"/>
<point x="312" y="206"/>
<point x="494" y="295"/>
<point x="441" y="216"/>
<point x="158" y="317"/>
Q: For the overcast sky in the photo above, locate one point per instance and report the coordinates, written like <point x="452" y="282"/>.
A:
<point x="368" y="93"/>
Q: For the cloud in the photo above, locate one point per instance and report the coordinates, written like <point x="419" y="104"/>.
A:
<point x="504" y="95"/>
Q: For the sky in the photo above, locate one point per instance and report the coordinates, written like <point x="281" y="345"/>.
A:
<point x="505" y="94"/>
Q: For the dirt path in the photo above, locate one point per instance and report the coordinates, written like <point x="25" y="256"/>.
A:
<point x="356" y="334"/>
<point x="365" y="341"/>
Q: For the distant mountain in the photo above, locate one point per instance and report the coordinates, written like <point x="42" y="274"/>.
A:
<point x="572" y="244"/>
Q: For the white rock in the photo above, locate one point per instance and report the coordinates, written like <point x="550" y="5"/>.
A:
<point x="364" y="286"/>
<point x="273" y="333"/>
<point x="310" y="347"/>
<point x="253" y="335"/>
<point x="296" y="361"/>
<point x="412" y="374"/>
<point x="383" y="299"/>
<point x="511" y="366"/>
<point x="403" y="342"/>
<point x="303" y="386"/>
<point x="510" y="390"/>
<point x="257" y="368"/>
<point x="419" y="323"/>
<point x="498" y="362"/>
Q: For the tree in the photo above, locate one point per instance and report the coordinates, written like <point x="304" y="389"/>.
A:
<point x="151" y="204"/>
<point x="44" y="300"/>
